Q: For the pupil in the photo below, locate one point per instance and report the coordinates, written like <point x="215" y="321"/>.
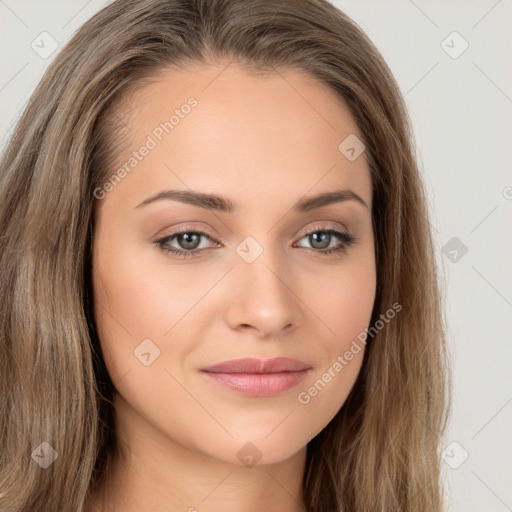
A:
<point x="186" y="242"/>
<point x="320" y="235"/>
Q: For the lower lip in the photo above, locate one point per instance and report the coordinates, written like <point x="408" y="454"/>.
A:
<point x="258" y="384"/>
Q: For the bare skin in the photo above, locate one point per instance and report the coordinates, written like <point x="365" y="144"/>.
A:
<point x="264" y="142"/>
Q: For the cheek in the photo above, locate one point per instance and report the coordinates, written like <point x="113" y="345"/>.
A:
<point x="127" y="307"/>
<point x="342" y="298"/>
<point x="142" y="297"/>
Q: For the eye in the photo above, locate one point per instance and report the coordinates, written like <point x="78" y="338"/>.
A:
<point x="189" y="241"/>
<point x="321" y="240"/>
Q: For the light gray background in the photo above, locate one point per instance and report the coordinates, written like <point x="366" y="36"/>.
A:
<point x="462" y="115"/>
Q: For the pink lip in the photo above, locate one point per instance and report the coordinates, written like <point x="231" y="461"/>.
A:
<point x="256" y="377"/>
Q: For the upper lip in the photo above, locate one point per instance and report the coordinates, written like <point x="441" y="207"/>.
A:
<point x="251" y="365"/>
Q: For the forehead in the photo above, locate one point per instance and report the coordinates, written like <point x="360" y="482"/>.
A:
<point x="259" y="133"/>
<point x="230" y="92"/>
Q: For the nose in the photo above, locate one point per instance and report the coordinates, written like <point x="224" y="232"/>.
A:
<point x="263" y="299"/>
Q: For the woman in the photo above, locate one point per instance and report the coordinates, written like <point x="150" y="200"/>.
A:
<point x="218" y="283"/>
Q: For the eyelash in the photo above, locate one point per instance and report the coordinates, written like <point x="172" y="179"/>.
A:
<point x="346" y="241"/>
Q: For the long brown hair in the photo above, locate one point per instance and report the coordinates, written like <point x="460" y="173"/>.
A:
<point x="380" y="452"/>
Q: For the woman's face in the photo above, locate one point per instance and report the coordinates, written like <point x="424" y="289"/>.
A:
<point x="252" y="280"/>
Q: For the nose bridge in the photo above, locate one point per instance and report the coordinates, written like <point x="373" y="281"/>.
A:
<point x="264" y="298"/>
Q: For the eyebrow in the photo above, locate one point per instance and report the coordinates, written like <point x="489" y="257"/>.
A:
<point x="222" y="204"/>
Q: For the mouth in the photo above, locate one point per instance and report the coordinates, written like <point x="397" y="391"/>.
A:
<point x="256" y="377"/>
